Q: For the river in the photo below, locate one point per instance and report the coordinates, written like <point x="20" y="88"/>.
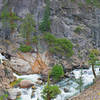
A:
<point x="70" y="84"/>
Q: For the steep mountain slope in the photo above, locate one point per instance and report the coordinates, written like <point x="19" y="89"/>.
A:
<point x="75" y="20"/>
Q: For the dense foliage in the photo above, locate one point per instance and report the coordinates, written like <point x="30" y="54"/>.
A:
<point x="45" y="23"/>
<point x="59" y="46"/>
<point x="57" y="72"/>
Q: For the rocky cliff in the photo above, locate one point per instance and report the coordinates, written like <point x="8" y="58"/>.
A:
<point x="75" y="20"/>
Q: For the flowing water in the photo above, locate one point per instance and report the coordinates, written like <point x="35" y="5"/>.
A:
<point x="70" y="84"/>
<point x="65" y="83"/>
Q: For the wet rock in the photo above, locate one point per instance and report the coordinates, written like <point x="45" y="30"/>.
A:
<point x="26" y="84"/>
<point x="85" y="66"/>
<point x="39" y="82"/>
<point x="32" y="94"/>
<point x="44" y="78"/>
<point x="67" y="66"/>
<point x="67" y="75"/>
<point x="45" y="71"/>
<point x="33" y="87"/>
<point x="39" y="79"/>
<point x="66" y="90"/>
<point x="13" y="93"/>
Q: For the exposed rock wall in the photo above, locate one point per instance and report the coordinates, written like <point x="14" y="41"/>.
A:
<point x="66" y="16"/>
<point x="6" y="76"/>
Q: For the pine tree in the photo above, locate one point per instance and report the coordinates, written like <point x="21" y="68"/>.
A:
<point x="50" y="91"/>
<point x="27" y="28"/>
<point x="79" y="81"/>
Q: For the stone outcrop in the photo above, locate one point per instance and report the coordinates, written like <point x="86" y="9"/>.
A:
<point x="6" y="76"/>
<point x="20" y="66"/>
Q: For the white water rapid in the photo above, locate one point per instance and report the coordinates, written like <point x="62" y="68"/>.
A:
<point x="26" y="94"/>
<point x="65" y="83"/>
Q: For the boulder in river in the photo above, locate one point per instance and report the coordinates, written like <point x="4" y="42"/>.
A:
<point x="13" y="93"/>
<point x="26" y="84"/>
<point x="66" y="90"/>
<point x="39" y="82"/>
<point x="32" y="94"/>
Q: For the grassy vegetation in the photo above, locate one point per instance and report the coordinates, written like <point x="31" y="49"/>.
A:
<point x="3" y="96"/>
<point x="15" y="82"/>
<point x="25" y="48"/>
<point x="78" y="29"/>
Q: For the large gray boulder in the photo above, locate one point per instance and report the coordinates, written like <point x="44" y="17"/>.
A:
<point x="21" y="66"/>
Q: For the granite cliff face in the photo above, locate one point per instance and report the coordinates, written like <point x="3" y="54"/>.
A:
<point x="75" y="20"/>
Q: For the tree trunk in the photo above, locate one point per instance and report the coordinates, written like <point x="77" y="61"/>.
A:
<point x="48" y="97"/>
<point x="27" y="39"/>
<point x="93" y="71"/>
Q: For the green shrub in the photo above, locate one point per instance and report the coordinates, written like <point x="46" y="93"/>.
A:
<point x="25" y="48"/>
<point x="59" y="46"/>
<point x="78" y="29"/>
<point x="95" y="51"/>
<point x="57" y="72"/>
<point x="49" y="38"/>
<point x="16" y="82"/>
<point x="93" y="2"/>
<point x="35" y="39"/>
<point x="4" y="96"/>
<point x="52" y="91"/>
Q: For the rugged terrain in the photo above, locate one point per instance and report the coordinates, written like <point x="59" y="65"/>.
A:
<point x="92" y="93"/>
<point x="75" y="20"/>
